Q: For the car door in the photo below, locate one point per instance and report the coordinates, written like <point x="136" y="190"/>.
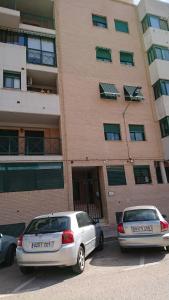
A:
<point x="88" y="232"/>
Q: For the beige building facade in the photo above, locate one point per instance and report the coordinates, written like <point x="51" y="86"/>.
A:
<point x="78" y="124"/>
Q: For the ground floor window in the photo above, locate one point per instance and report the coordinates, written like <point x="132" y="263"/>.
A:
<point x="15" y="177"/>
<point x="116" y="175"/>
<point x="142" y="175"/>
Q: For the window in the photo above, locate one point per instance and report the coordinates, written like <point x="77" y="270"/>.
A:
<point x="12" y="37"/>
<point x="133" y="93"/>
<point x="8" y="142"/>
<point x="41" y="51"/>
<point x="17" y="177"/>
<point x="48" y="225"/>
<point x="158" y="172"/>
<point x="108" y="91"/>
<point x="155" y="22"/>
<point x="99" y="21"/>
<point x="34" y="142"/>
<point x="12" y="80"/>
<point x="157" y="52"/>
<point x="164" y="126"/>
<point x="116" y="175"/>
<point x="84" y="220"/>
<point x="121" y="26"/>
<point x="161" y="87"/>
<point x="126" y="58"/>
<point x="103" y="54"/>
<point x="112" y="132"/>
<point x="137" y="132"/>
<point x="138" y="215"/>
<point x="142" y="175"/>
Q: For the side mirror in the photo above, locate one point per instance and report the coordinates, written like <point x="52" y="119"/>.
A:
<point x="164" y="216"/>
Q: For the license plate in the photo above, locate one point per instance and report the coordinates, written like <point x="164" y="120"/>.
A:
<point x="142" y="228"/>
<point x="43" y="244"/>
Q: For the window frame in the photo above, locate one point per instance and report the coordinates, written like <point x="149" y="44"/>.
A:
<point x="164" y="126"/>
<point x="11" y="75"/>
<point x="125" y="62"/>
<point x="138" y="131"/>
<point x="146" y="22"/>
<point x="142" y="169"/>
<point x="119" y="170"/>
<point x="99" y="58"/>
<point x="152" y="53"/>
<point x="114" y="133"/>
<point x="160" y="88"/>
<point x="96" y="23"/>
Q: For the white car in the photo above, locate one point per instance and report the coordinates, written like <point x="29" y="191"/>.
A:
<point x="59" y="239"/>
<point x="143" y="226"/>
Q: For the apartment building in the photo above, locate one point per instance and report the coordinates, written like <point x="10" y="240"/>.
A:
<point x="78" y="126"/>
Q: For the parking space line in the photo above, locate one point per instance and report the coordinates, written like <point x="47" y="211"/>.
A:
<point x="20" y="287"/>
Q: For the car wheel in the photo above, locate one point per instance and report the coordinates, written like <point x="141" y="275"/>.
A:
<point x="101" y="242"/>
<point x="26" y="270"/>
<point x="80" y="265"/>
<point x="10" y="255"/>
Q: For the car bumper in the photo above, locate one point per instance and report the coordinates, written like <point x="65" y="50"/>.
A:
<point x="65" y="256"/>
<point x="144" y="241"/>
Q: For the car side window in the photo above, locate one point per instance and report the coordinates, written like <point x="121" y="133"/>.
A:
<point x="84" y="220"/>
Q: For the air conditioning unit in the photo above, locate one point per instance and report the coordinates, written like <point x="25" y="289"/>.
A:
<point x="29" y="81"/>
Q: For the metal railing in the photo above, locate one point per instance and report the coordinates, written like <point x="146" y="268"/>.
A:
<point x="13" y="145"/>
<point x="41" y="57"/>
<point x="8" y="4"/>
<point x="36" y="20"/>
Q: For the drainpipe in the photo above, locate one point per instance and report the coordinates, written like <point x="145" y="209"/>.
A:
<point x="126" y="137"/>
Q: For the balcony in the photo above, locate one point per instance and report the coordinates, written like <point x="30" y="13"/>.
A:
<point x="9" y="16"/>
<point x="38" y="21"/>
<point x="29" y="146"/>
<point x="30" y="107"/>
<point x="162" y="107"/>
<point x="156" y="36"/>
<point x="159" y="69"/>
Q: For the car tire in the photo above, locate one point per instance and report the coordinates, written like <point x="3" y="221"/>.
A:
<point x="26" y="270"/>
<point x="101" y="242"/>
<point x="10" y="255"/>
<point x="80" y="265"/>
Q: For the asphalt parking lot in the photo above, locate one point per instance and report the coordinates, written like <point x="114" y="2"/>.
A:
<point x="109" y="274"/>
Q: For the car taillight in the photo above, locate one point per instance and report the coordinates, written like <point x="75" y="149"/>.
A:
<point x="20" y="240"/>
<point x="67" y="237"/>
<point x="164" y="225"/>
<point x="120" y="228"/>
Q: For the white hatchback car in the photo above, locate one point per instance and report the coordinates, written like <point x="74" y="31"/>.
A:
<point x="143" y="226"/>
<point x="59" y="239"/>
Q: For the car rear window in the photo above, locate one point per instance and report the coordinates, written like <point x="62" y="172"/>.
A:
<point x="48" y="225"/>
<point x="140" y="215"/>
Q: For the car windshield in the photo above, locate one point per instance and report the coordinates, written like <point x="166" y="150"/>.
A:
<point x="140" y="215"/>
<point x="48" y="225"/>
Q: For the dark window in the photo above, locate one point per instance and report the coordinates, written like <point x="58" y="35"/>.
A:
<point x="158" y="172"/>
<point x="158" y="52"/>
<point x="83" y="219"/>
<point x="155" y="22"/>
<point x="48" y="225"/>
<point x="137" y="132"/>
<point x="166" y="164"/>
<point x="121" y="26"/>
<point x="116" y="175"/>
<point x="12" y="80"/>
<point x="142" y="175"/>
<point x="164" y="126"/>
<point x="12" y="37"/>
<point x="103" y="54"/>
<point x="17" y="177"/>
<point x="99" y="21"/>
<point x="8" y="142"/>
<point x="108" y="91"/>
<point x="140" y="215"/>
<point x="161" y="87"/>
<point x="34" y="142"/>
<point x="112" y="132"/>
<point x="126" y="58"/>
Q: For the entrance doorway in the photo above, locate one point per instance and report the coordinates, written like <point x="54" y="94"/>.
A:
<point x="86" y="191"/>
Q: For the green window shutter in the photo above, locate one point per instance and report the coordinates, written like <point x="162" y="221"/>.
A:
<point x="126" y="58"/>
<point x="99" y="21"/>
<point x="142" y="174"/>
<point x="116" y="175"/>
<point x="163" y="24"/>
<point x="121" y="26"/>
<point x="115" y="128"/>
<point x="136" y="128"/>
<point x="108" y="91"/>
<point x="103" y="54"/>
<point x="145" y="23"/>
<point x="152" y="55"/>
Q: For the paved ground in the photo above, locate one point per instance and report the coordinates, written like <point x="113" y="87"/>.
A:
<point x="139" y="274"/>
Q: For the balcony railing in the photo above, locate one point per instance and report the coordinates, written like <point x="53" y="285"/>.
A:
<point x="13" y="145"/>
<point x="36" y="20"/>
<point x="8" y="4"/>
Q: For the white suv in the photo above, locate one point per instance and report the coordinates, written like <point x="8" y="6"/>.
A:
<point x="58" y="239"/>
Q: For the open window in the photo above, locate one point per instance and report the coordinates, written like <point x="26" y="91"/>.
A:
<point x="133" y="93"/>
<point x="108" y="91"/>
